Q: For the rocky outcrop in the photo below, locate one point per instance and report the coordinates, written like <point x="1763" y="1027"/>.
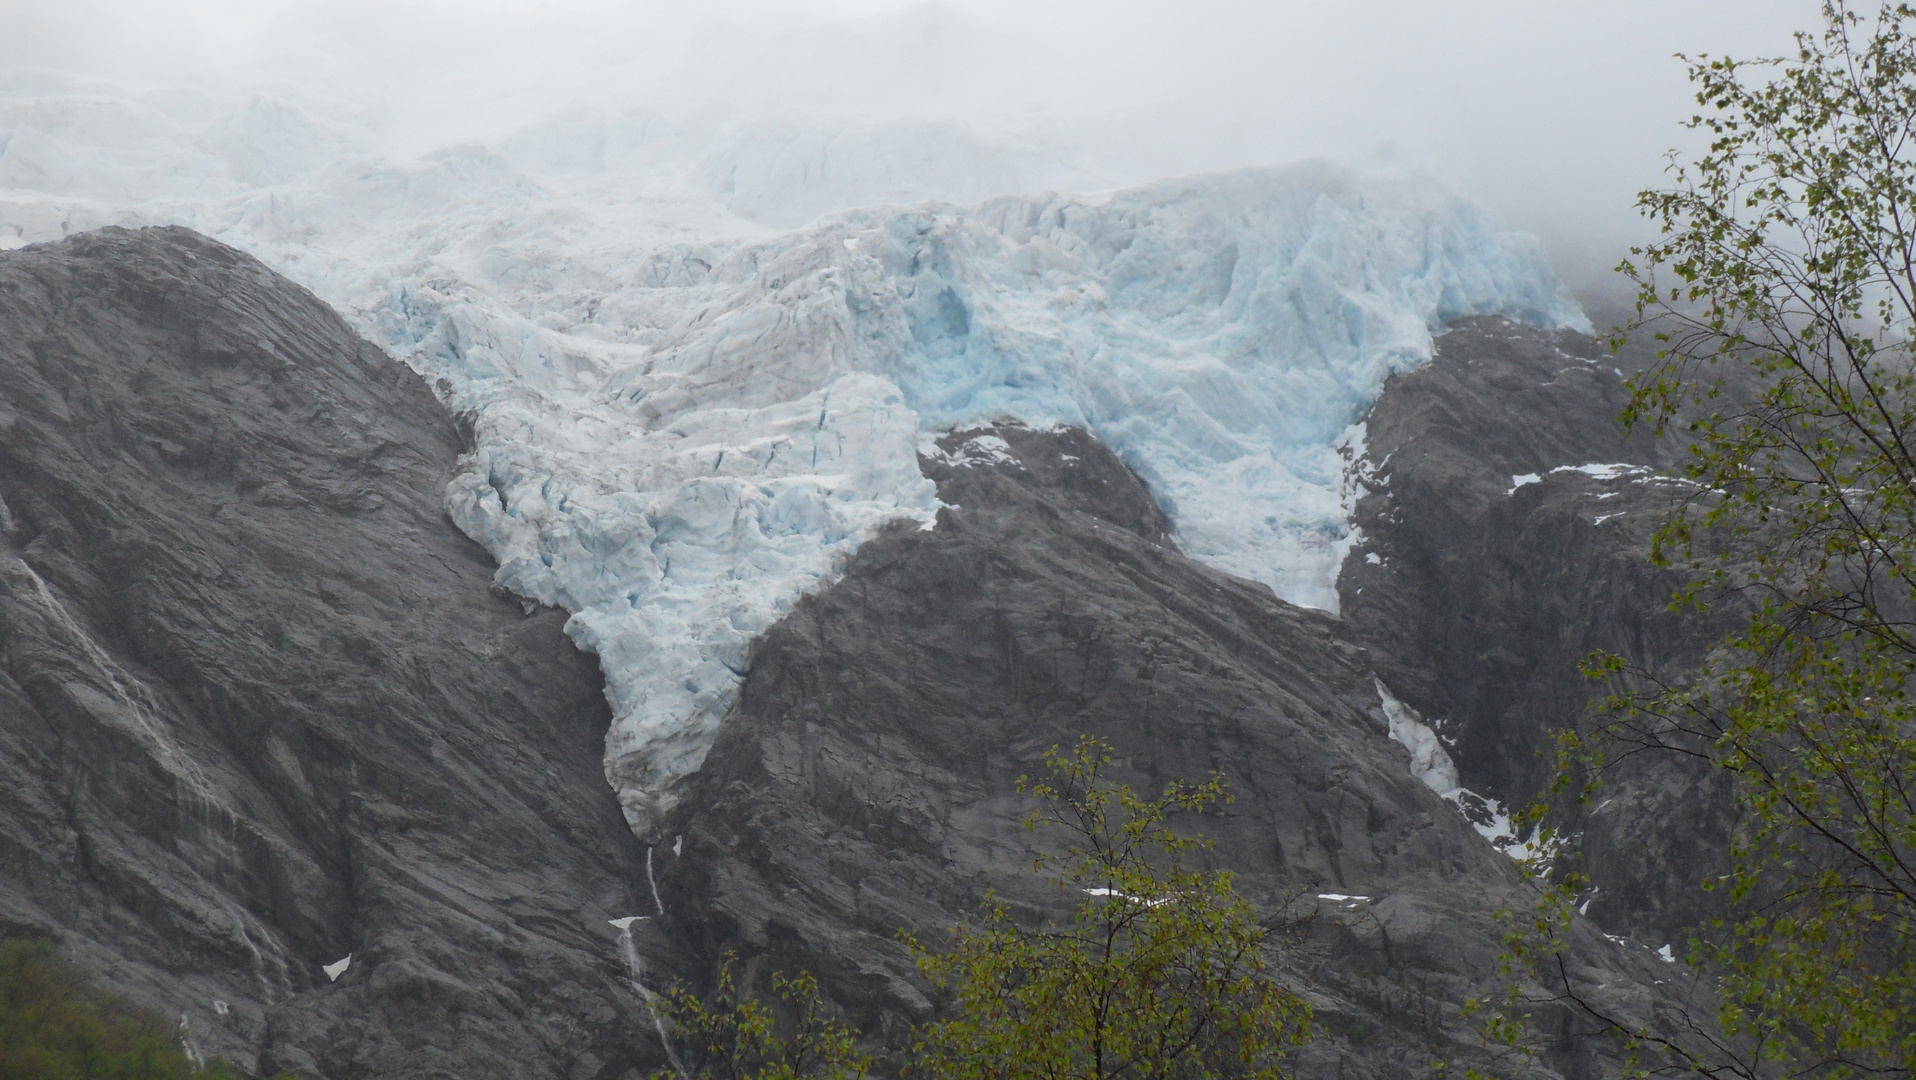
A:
<point x="261" y="710"/>
<point x="867" y="781"/>
<point x="258" y="708"/>
<point x="1506" y="536"/>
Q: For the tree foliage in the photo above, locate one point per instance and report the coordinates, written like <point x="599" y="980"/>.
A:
<point x="1783" y="287"/>
<point x="54" y="1026"/>
<point x="1160" y="971"/>
<point x="733" y="1036"/>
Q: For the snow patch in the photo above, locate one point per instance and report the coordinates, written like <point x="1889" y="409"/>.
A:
<point x="1603" y="472"/>
<point x="1598" y="471"/>
<point x="1101" y="890"/>
<point x="1430" y="763"/>
<point x="981" y="449"/>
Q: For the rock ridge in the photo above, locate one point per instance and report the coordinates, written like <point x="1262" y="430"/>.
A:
<point x="258" y="708"/>
<point x="866" y="781"/>
<point x="1505" y="536"/>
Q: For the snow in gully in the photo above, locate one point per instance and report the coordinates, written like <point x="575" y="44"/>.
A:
<point x="685" y="421"/>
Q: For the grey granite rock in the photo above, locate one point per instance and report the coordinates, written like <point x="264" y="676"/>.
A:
<point x="1494" y="560"/>
<point x="258" y="708"/>
<point x="867" y="781"/>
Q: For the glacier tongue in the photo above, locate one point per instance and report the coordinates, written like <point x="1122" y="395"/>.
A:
<point x="685" y="421"/>
<point x="675" y="543"/>
<point x="1221" y="333"/>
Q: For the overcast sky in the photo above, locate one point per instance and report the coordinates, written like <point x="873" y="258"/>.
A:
<point x="1551" y="113"/>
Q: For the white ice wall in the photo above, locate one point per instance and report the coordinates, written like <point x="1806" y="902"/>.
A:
<point x="686" y="420"/>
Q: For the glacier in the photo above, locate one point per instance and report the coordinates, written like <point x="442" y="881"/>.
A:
<point x="686" y="419"/>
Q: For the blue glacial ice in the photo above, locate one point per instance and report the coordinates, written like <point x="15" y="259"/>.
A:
<point x="686" y="420"/>
<point x="1223" y="334"/>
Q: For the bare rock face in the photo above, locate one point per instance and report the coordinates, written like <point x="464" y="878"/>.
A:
<point x="1506" y="536"/>
<point x="867" y="781"/>
<point x="258" y="708"/>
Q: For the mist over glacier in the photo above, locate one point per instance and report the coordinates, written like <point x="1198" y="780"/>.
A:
<point x="693" y="396"/>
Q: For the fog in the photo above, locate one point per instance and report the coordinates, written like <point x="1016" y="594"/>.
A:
<point x="1550" y="115"/>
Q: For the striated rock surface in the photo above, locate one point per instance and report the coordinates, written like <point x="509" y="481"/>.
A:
<point x="866" y="782"/>
<point x="1506" y="536"/>
<point x="258" y="708"/>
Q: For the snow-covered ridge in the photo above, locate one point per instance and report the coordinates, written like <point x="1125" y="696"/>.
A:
<point x="685" y="421"/>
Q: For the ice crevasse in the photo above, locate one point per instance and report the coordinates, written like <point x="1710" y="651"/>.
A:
<point x="678" y="494"/>
<point x="684" y="421"/>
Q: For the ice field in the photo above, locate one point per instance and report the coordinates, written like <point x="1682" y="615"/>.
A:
<point x="700" y="363"/>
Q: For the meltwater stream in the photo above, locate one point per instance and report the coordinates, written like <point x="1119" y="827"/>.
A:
<point x="635" y="967"/>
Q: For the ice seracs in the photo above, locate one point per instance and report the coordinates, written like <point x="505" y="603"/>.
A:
<point x="1222" y="334"/>
<point x="685" y="420"/>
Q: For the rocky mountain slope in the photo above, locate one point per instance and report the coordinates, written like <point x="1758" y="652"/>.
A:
<point x="1506" y="528"/>
<point x="258" y="707"/>
<point x="867" y="780"/>
<point x="262" y="708"/>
